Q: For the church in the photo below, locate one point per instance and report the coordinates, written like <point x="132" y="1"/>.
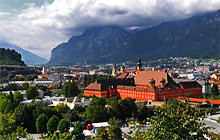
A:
<point x="142" y="86"/>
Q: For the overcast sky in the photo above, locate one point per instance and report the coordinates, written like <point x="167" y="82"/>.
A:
<point x="40" y="25"/>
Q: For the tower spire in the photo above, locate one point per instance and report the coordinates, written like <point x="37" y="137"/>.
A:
<point x="114" y="71"/>
<point x="139" y="64"/>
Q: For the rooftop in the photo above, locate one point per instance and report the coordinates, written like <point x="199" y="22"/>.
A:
<point x="143" y="77"/>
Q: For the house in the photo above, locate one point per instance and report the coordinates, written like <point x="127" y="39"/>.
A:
<point x="41" y="76"/>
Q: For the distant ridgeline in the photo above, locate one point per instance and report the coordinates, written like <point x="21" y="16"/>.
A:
<point x="195" y="37"/>
<point x="10" y="57"/>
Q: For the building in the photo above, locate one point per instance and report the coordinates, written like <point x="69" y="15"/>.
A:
<point x="106" y="88"/>
<point x="145" y="86"/>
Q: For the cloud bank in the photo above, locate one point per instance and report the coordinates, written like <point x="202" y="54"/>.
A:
<point x="39" y="29"/>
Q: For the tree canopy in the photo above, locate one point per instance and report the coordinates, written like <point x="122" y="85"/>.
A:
<point x="78" y="130"/>
<point x="31" y="93"/>
<point x="214" y="89"/>
<point x="114" y="130"/>
<point x="52" y="124"/>
<point x="70" y="89"/>
<point x="98" y="101"/>
<point x="96" y="113"/>
<point x="64" y="125"/>
<point x="176" y="120"/>
<point x="41" y="123"/>
<point x="10" y="57"/>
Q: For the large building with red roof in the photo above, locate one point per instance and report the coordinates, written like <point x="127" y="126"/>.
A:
<point x="145" y="86"/>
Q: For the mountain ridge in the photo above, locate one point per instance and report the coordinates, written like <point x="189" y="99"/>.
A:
<point x="197" y="36"/>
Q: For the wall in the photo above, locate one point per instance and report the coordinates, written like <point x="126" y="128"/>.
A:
<point x="138" y="95"/>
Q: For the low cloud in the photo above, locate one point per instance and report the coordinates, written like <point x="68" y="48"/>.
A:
<point x="46" y="26"/>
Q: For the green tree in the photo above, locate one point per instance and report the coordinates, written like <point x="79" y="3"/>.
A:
<point x="26" y="115"/>
<point x="30" y="77"/>
<point x="176" y="120"/>
<point x="64" y="125"/>
<point x="7" y="124"/>
<point x="52" y="124"/>
<point x="6" y="103"/>
<point x="128" y="108"/>
<point x="214" y="89"/>
<point x="114" y="108"/>
<point x="31" y="93"/>
<point x="62" y="108"/>
<point x="73" y="116"/>
<point x="78" y="130"/>
<point x="98" y="101"/>
<point x="41" y="122"/>
<point x="70" y="89"/>
<point x="96" y="113"/>
<point x="114" y="130"/>
<point x="18" y="97"/>
<point x="80" y="109"/>
<point x="48" y="92"/>
<point x="21" y="132"/>
<point x="102" y="134"/>
<point x="144" y="112"/>
<point x="11" y="98"/>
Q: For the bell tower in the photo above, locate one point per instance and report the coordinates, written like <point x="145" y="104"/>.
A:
<point x="114" y="71"/>
<point x="139" y="64"/>
<point x="122" y="69"/>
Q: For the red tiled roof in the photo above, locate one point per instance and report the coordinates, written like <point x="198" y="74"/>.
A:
<point x="53" y="87"/>
<point x="94" y="86"/>
<point x="122" y="76"/>
<point x="19" y="75"/>
<point x="44" y="75"/>
<point x="130" y="70"/>
<point x="143" y="77"/>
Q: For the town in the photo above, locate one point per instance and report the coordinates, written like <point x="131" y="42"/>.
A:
<point x="111" y="101"/>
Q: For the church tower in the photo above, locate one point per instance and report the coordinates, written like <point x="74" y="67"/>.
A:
<point x="122" y="69"/>
<point x="139" y="64"/>
<point x="114" y="71"/>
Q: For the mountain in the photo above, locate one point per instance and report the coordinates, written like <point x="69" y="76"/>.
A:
<point x="10" y="57"/>
<point x="28" y="57"/>
<point x="94" y="46"/>
<point x="197" y="36"/>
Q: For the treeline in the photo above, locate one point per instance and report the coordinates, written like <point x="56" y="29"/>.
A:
<point x="6" y="76"/>
<point x="10" y="57"/>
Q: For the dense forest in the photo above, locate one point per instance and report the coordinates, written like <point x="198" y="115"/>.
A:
<point x="10" y="57"/>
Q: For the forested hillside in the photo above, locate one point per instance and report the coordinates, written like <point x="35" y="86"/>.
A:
<point x="10" y="57"/>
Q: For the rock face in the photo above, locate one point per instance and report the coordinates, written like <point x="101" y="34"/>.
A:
<point x="197" y="36"/>
<point x="28" y="57"/>
<point x="96" y="45"/>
